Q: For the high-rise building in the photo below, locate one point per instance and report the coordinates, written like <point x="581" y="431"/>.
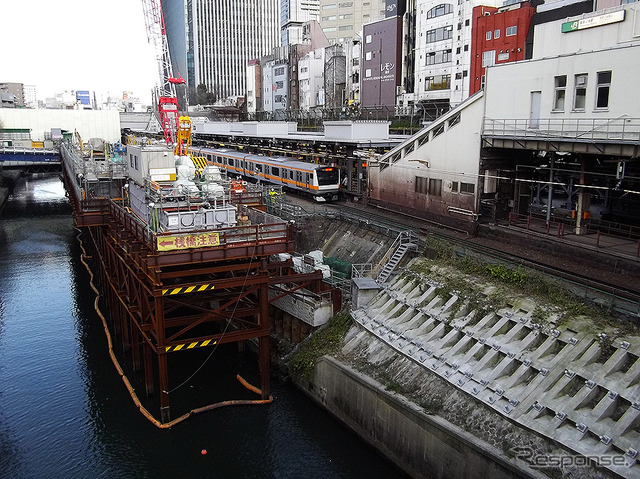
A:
<point x="214" y="40"/>
<point x="30" y="100"/>
<point x="293" y="14"/>
<point x="226" y="35"/>
<point x="342" y="21"/>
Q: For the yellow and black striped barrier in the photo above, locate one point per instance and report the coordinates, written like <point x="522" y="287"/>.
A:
<point x="185" y="346"/>
<point x="200" y="163"/>
<point x="187" y="289"/>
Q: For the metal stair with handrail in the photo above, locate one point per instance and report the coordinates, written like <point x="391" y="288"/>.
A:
<point x="405" y="242"/>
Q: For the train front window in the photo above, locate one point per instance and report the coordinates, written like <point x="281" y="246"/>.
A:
<point x="328" y="176"/>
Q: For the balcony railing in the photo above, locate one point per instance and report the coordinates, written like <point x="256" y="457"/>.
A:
<point x="623" y="129"/>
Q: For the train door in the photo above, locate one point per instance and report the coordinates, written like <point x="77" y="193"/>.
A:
<point x="299" y="178"/>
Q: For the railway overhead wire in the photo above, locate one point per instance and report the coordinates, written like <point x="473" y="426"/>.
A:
<point x="593" y="285"/>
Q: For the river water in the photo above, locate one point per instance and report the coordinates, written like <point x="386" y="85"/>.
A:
<point x="64" y="411"/>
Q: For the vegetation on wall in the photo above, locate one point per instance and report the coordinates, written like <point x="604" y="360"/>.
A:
<point x="527" y="282"/>
<point x="326" y="340"/>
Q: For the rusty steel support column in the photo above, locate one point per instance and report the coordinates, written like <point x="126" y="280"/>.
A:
<point x="126" y="328"/>
<point x="264" y="340"/>
<point x="135" y="347"/>
<point x="148" y="369"/>
<point x="163" y="370"/>
<point x="165" y="412"/>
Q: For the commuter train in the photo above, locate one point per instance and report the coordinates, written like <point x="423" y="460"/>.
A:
<point x="319" y="181"/>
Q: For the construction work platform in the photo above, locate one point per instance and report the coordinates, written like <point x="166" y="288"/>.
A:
<point x="182" y="265"/>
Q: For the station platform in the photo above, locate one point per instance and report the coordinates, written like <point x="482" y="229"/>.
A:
<point x="625" y="245"/>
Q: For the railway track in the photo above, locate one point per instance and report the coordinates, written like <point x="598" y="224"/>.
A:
<point x="621" y="299"/>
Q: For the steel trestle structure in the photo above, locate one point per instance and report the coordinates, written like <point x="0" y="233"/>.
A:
<point x="163" y="303"/>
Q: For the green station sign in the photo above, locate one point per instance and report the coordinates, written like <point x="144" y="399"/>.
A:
<point x="590" y="22"/>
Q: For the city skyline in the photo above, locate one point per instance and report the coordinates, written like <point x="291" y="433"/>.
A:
<point x="67" y="45"/>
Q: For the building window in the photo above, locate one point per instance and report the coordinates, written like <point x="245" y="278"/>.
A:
<point x="467" y="188"/>
<point x="328" y="6"/>
<point x="602" y="91"/>
<point x="345" y="16"/>
<point x="496" y="34"/>
<point x="421" y="185"/>
<point x="512" y="30"/>
<point x="279" y="71"/>
<point x="466" y="48"/>
<point x="367" y="73"/>
<point x="435" y="187"/>
<point x="343" y="28"/>
<point x="488" y="58"/>
<point x="488" y="35"/>
<point x="330" y="18"/>
<point x="329" y="29"/>
<point x="561" y="87"/>
<point x="438" y="34"/>
<point x="443" y="56"/>
<point x="454" y="187"/>
<point x="466" y="23"/>
<point x="368" y="39"/>
<point x="345" y="4"/>
<point x="458" y="51"/>
<point x="440" y="10"/>
<point x="279" y="84"/>
<point x="483" y="81"/>
<point x="438" y="82"/>
<point x="580" y="85"/>
<point x="367" y="56"/>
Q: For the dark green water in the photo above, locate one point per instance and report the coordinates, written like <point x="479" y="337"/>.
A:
<point x="65" y="413"/>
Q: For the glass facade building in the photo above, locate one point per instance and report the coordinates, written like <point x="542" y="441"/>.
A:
<point x="212" y="41"/>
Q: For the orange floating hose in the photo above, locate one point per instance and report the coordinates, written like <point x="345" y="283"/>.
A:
<point x="125" y="380"/>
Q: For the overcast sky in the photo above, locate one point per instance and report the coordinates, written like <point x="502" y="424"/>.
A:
<point x="93" y="45"/>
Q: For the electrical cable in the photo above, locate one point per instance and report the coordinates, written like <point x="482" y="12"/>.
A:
<point x="215" y="347"/>
<point x="145" y="412"/>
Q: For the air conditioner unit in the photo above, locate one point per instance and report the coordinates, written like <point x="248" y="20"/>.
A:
<point x="581" y="80"/>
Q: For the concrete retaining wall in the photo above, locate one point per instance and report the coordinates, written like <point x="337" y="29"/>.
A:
<point x="424" y="446"/>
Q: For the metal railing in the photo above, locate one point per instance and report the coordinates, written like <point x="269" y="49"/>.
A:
<point x="361" y="270"/>
<point x="622" y="129"/>
<point x="265" y="229"/>
<point x="405" y="237"/>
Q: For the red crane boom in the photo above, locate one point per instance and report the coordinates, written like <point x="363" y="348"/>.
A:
<point x="167" y="101"/>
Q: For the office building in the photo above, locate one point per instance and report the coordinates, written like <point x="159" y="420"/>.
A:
<point x="342" y="21"/>
<point x="293" y="15"/>
<point x="214" y="40"/>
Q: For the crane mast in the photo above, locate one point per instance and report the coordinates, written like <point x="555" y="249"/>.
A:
<point x="167" y="100"/>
